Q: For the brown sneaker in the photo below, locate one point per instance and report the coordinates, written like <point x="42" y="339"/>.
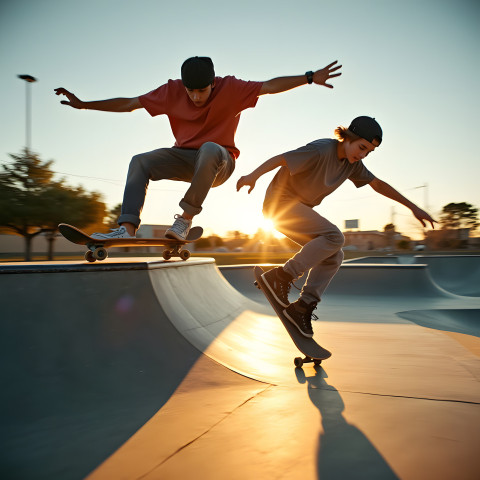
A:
<point x="300" y="314"/>
<point x="279" y="283"/>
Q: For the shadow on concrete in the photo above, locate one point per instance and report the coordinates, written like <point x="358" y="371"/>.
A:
<point x="343" y="450"/>
<point x="86" y="361"/>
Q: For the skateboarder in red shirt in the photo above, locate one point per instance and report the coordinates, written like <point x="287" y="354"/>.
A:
<point x="204" y="111"/>
<point x="307" y="175"/>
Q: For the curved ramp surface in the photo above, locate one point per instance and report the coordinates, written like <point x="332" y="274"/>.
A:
<point x="459" y="274"/>
<point x="91" y="356"/>
<point x="139" y="368"/>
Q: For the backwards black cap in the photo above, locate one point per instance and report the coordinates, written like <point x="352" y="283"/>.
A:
<point x="198" y="72"/>
<point x="367" y="128"/>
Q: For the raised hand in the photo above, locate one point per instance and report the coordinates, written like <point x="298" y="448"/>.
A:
<point x="320" y="77"/>
<point x="73" y="101"/>
<point x="422" y="216"/>
<point x="246" y="180"/>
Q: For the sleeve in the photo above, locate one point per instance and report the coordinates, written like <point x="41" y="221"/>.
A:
<point x="301" y="159"/>
<point x="361" y="176"/>
<point x="155" y="102"/>
<point x="245" y="92"/>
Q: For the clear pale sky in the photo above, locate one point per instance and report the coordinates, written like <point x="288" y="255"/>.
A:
<point x="414" y="65"/>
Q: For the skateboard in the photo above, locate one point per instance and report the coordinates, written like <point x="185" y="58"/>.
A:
<point x="97" y="248"/>
<point x="308" y="346"/>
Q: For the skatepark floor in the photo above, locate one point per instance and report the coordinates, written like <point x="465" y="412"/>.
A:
<point x="141" y="368"/>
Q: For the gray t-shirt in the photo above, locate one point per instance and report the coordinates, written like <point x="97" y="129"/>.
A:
<point x="314" y="171"/>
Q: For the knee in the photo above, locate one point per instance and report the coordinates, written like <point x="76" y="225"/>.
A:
<point x="211" y="153"/>
<point x="136" y="165"/>
<point x="211" y="148"/>
<point x="336" y="237"/>
<point x="141" y="161"/>
<point x="136" y="160"/>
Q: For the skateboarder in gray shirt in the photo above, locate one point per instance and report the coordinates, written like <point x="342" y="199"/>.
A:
<point x="306" y="176"/>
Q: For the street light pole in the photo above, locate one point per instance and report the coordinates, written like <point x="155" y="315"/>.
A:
<point x="28" y="110"/>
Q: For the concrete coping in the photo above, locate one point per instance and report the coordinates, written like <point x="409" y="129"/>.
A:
<point x="129" y="263"/>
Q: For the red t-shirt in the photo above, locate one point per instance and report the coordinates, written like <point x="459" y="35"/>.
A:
<point x="216" y="121"/>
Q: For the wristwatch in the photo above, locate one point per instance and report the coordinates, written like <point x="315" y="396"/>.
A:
<point x="309" y="76"/>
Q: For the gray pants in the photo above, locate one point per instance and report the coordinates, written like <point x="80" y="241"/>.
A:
<point x="209" y="166"/>
<point x="321" y="254"/>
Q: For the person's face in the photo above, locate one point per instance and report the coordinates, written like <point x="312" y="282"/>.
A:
<point x="358" y="149"/>
<point x="199" y="96"/>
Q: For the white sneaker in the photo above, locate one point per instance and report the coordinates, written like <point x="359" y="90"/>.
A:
<point x="180" y="228"/>
<point x="120" y="232"/>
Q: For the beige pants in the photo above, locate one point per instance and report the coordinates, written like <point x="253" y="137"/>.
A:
<point x="321" y="254"/>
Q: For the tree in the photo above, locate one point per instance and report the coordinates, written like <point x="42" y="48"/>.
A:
<point x="113" y="215"/>
<point x="390" y="233"/>
<point x="31" y="202"/>
<point x="459" y="215"/>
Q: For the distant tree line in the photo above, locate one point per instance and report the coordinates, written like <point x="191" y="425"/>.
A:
<point x="32" y="202"/>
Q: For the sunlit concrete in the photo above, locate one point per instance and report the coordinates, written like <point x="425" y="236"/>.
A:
<point x="195" y="378"/>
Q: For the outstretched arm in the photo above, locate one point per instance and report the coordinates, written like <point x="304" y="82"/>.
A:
<point x="282" y="84"/>
<point x="111" y="105"/>
<point x="251" y="178"/>
<point x="388" y="191"/>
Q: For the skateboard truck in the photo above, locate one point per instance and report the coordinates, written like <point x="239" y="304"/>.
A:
<point x="299" y="361"/>
<point x="99" y="252"/>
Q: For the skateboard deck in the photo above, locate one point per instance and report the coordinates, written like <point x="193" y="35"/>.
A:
<point x="308" y="346"/>
<point x="97" y="248"/>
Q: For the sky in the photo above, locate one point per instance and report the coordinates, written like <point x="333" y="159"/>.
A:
<point x="413" y="65"/>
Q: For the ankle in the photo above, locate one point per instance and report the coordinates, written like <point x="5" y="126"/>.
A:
<point x="130" y="227"/>
<point x="284" y="275"/>
<point x="301" y="305"/>
<point x="187" y="216"/>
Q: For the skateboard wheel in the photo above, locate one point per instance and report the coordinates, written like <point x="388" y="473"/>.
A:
<point x="167" y="254"/>
<point x="185" y="254"/>
<point x="100" y="253"/>
<point x="298" y="362"/>
<point x="89" y="256"/>
<point x="317" y="362"/>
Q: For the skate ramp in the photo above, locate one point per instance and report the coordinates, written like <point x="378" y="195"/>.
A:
<point x="353" y="279"/>
<point x="97" y="350"/>
<point x="459" y="274"/>
<point x="464" y="321"/>
<point x="91" y="357"/>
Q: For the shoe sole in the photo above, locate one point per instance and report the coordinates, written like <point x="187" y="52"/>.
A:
<point x="174" y="236"/>
<point x="307" y="335"/>
<point x="265" y="281"/>
<point x="109" y="238"/>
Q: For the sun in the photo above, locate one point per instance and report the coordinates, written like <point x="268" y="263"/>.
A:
<point x="268" y="226"/>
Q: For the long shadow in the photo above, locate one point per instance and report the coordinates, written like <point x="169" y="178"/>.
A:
<point x="344" y="452"/>
<point x="86" y="360"/>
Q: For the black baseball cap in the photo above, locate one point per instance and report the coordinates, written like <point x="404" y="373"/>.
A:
<point x="198" y="72"/>
<point x="367" y="128"/>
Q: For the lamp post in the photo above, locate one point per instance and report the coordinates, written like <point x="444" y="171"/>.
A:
<point x="28" y="109"/>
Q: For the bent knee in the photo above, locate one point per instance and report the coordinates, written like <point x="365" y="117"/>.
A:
<point x="137" y="162"/>
<point x="336" y="237"/>
<point x="211" y="149"/>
